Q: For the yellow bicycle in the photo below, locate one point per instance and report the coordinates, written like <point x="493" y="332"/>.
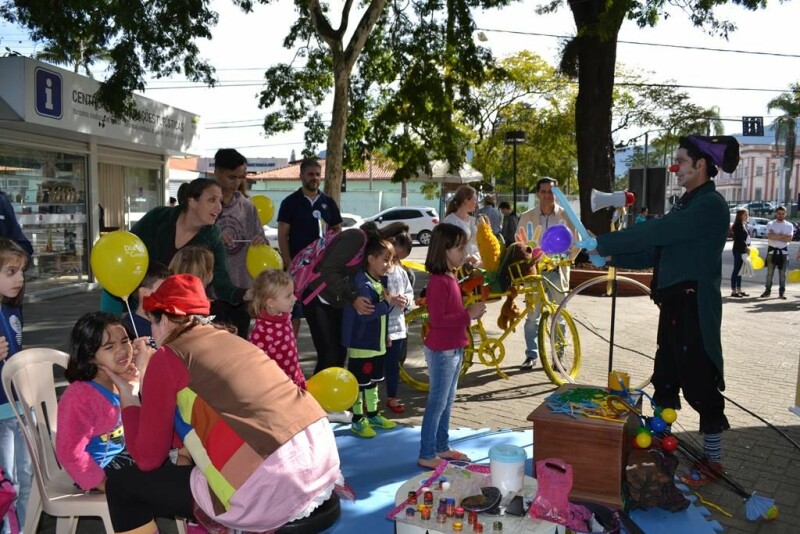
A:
<point x="563" y="342"/>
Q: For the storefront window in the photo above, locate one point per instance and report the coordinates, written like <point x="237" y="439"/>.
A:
<point x="48" y="192"/>
<point x="126" y="194"/>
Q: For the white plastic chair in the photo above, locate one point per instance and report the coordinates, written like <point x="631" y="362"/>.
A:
<point x="30" y="373"/>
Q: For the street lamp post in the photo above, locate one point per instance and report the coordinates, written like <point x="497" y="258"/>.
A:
<point x="515" y="137"/>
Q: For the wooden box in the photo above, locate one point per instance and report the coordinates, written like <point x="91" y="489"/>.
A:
<point x="596" y="449"/>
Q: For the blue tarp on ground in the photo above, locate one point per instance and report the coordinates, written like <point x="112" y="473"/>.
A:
<point x="376" y="468"/>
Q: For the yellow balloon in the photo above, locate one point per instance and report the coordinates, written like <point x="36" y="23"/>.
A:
<point x="643" y="440"/>
<point x="669" y="415"/>
<point x="753" y="252"/>
<point x="758" y="263"/>
<point x="119" y="262"/>
<point x="335" y="389"/>
<point x="265" y="208"/>
<point x="262" y="257"/>
<point x="793" y="276"/>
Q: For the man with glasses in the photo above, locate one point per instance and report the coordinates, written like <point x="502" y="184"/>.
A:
<point x="239" y="227"/>
<point x="779" y="235"/>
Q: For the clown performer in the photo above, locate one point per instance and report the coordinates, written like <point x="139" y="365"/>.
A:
<point x="685" y="250"/>
<point x="263" y="450"/>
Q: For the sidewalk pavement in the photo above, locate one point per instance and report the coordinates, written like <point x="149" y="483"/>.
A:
<point x="761" y="364"/>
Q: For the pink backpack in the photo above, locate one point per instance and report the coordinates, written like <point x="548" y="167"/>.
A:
<point x="7" y="496"/>
<point x="339" y="253"/>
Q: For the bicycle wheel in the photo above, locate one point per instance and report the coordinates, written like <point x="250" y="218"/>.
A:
<point x="562" y="343"/>
<point x="413" y="367"/>
<point x="591" y="315"/>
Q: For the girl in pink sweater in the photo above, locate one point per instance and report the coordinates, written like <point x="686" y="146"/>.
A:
<point x="90" y="443"/>
<point x="273" y="300"/>
<point x="445" y="342"/>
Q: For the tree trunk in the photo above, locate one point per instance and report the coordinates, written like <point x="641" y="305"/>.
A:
<point x="597" y="54"/>
<point x="336" y="135"/>
<point x="791" y="143"/>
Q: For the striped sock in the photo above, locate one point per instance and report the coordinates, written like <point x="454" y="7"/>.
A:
<point x="712" y="445"/>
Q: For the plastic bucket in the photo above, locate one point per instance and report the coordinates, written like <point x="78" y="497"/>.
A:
<point x="507" y="464"/>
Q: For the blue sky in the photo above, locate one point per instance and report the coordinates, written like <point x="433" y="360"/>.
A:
<point x="244" y="45"/>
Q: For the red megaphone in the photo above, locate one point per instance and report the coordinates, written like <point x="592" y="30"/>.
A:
<point x="674" y="167"/>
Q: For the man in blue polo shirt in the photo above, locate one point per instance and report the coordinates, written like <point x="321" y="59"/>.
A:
<point x="304" y="217"/>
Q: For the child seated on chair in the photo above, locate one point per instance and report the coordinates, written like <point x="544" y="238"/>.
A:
<point x="90" y="443"/>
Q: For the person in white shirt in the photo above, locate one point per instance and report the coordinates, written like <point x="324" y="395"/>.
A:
<point x="546" y="214"/>
<point x="779" y="235"/>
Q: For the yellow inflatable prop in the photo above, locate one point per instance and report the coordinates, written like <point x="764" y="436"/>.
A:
<point x="753" y="252"/>
<point x="262" y="257"/>
<point x="119" y="262"/>
<point x="793" y="276"/>
<point x="335" y="389"/>
<point x="265" y="208"/>
<point x="758" y="263"/>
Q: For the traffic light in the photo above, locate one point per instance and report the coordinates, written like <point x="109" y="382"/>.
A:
<point x="752" y="126"/>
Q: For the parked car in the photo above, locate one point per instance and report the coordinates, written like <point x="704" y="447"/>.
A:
<point x="758" y="226"/>
<point x="349" y="220"/>
<point x="759" y="208"/>
<point x="420" y="220"/>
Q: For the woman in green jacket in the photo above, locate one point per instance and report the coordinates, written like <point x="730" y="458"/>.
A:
<point x="166" y="230"/>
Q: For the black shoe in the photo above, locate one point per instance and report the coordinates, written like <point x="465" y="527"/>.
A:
<point x="736" y="295"/>
<point x="782" y="296"/>
<point x="743" y="294"/>
<point x="527" y="365"/>
<point x="765" y="294"/>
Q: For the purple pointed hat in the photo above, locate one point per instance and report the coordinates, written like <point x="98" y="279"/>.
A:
<point x="723" y="150"/>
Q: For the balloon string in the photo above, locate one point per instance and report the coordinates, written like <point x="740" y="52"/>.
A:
<point x="130" y="314"/>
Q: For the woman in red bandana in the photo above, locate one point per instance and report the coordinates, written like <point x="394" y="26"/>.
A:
<point x="263" y="451"/>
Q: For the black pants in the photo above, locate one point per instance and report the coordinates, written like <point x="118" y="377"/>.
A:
<point x="237" y="316"/>
<point x="325" y="323"/>
<point x="683" y="364"/>
<point x="136" y="497"/>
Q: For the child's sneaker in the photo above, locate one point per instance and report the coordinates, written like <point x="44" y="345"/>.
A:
<point x="362" y="429"/>
<point x="381" y="422"/>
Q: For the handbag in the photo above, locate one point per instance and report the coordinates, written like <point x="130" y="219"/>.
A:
<point x="7" y="496"/>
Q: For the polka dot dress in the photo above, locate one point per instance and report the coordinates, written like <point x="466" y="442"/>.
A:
<point x="274" y="335"/>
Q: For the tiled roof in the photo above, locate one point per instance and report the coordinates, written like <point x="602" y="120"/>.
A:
<point x="184" y="164"/>
<point x="292" y="172"/>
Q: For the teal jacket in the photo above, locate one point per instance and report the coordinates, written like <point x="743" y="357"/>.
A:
<point x="157" y="228"/>
<point x="692" y="240"/>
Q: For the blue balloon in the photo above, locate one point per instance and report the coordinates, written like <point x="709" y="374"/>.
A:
<point x="556" y="240"/>
<point x="658" y="424"/>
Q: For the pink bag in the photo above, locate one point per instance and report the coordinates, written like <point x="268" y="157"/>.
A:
<point x="554" y="478"/>
<point x="7" y="496"/>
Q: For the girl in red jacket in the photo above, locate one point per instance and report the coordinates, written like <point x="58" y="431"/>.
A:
<point x="445" y="342"/>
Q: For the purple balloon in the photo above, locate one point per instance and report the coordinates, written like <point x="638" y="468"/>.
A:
<point x="556" y="240"/>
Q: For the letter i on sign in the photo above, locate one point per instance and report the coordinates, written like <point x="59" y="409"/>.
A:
<point x="49" y="94"/>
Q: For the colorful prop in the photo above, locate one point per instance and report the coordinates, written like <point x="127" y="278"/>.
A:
<point x="264" y="207"/>
<point x="753" y="252"/>
<point x="119" y="262"/>
<point x="335" y="389"/>
<point x="413" y="265"/>
<point x="556" y="240"/>
<point x="756" y="506"/>
<point x="758" y="263"/>
<point x="586" y="240"/>
<point x="489" y="246"/>
<point x="262" y="257"/>
<point x="793" y="276"/>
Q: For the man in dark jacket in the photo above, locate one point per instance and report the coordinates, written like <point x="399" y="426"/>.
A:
<point x="9" y="226"/>
<point x="685" y="249"/>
